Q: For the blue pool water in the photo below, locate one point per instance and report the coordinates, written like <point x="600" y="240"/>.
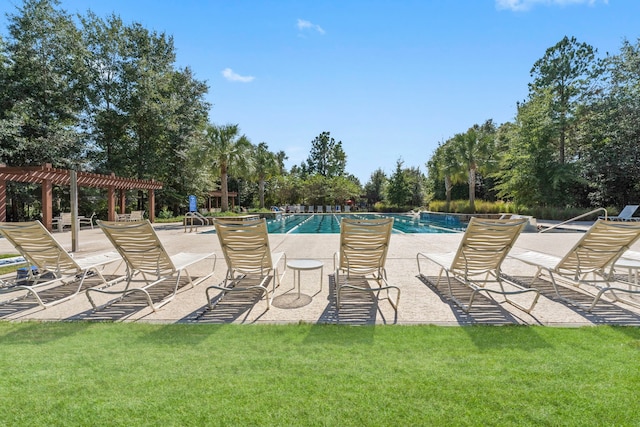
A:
<point x="330" y="223"/>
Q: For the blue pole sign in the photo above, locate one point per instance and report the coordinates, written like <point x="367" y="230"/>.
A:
<point x="193" y="203"/>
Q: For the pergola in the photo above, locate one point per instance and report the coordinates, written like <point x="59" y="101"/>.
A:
<point x="48" y="176"/>
<point x="217" y="196"/>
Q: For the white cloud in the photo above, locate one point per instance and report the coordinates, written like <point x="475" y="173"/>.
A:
<point x="234" y="77"/>
<point x="306" y="25"/>
<point x="524" y="5"/>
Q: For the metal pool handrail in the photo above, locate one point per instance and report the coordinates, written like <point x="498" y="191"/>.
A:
<point x="575" y="218"/>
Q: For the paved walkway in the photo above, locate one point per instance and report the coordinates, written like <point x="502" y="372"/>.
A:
<point x="420" y="303"/>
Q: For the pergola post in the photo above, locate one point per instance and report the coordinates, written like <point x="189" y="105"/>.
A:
<point x="123" y="202"/>
<point x="111" y="203"/>
<point x="75" y="225"/>
<point x="3" y="200"/>
<point x="47" y="204"/>
<point x="152" y="205"/>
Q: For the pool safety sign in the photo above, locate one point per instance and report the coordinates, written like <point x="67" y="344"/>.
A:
<point x="193" y="203"/>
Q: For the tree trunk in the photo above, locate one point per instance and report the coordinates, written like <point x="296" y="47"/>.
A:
<point x="261" y="191"/>
<point x="562" y="143"/>
<point x="448" y="186"/>
<point x="224" y="203"/>
<point x="472" y="190"/>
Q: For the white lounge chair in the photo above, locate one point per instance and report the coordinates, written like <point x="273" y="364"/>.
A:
<point x="595" y="255"/>
<point x="53" y="265"/>
<point x="629" y="261"/>
<point x="148" y="261"/>
<point x="478" y="261"/>
<point x="625" y="214"/>
<point x="136" y="216"/>
<point x="362" y="256"/>
<point x="250" y="263"/>
<point x="64" y="220"/>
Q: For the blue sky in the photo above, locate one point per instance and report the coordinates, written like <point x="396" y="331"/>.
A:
<point x="390" y="79"/>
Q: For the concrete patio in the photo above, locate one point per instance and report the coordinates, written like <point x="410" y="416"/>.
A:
<point x="420" y="303"/>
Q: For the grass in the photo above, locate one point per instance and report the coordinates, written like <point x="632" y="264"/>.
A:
<point x="9" y="268"/>
<point x="72" y="373"/>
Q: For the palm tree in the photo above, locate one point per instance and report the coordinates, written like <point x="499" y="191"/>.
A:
<point x="281" y="156"/>
<point x="472" y="150"/>
<point x="265" y="167"/>
<point x="447" y="167"/>
<point x="227" y="151"/>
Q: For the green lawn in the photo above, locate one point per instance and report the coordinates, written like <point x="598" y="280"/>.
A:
<point x="10" y="268"/>
<point x="66" y="373"/>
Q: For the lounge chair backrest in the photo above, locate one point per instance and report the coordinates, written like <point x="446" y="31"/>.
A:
<point x="599" y="247"/>
<point x="136" y="216"/>
<point x="38" y="246"/>
<point x="139" y="245"/>
<point x="65" y="218"/>
<point x="627" y="212"/>
<point x="245" y="245"/>
<point x="364" y="244"/>
<point x="485" y="244"/>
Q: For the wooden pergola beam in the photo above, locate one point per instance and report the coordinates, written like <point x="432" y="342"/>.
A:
<point x="47" y="176"/>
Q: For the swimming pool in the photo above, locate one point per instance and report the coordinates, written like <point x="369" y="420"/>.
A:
<point x="330" y="223"/>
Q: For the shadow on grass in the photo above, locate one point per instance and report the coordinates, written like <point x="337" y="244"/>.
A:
<point x="36" y="333"/>
<point x="180" y="334"/>
<point x="340" y="335"/>
<point x="487" y="337"/>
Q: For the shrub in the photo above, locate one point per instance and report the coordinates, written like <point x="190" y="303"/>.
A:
<point x="165" y="213"/>
<point x="484" y="207"/>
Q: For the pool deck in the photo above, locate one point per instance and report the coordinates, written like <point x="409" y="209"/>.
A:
<point x="420" y="303"/>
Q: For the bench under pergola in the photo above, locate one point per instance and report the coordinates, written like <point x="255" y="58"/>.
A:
<point x="48" y="176"/>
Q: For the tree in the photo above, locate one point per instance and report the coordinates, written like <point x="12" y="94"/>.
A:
<point x="528" y="168"/>
<point x="140" y="109"/>
<point x="610" y="133"/>
<point x="281" y="156"/>
<point x="474" y="149"/>
<point x="327" y="157"/>
<point x="266" y="166"/>
<point x="565" y="69"/>
<point x="398" y="191"/>
<point x="374" y="189"/>
<point x="416" y="182"/>
<point x="43" y="87"/>
<point x="105" y="120"/>
<point x="445" y="166"/>
<point x="227" y="150"/>
<point x="185" y="119"/>
<point x="341" y="189"/>
<point x="316" y="189"/>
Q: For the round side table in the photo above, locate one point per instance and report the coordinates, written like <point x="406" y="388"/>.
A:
<point x="304" y="264"/>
